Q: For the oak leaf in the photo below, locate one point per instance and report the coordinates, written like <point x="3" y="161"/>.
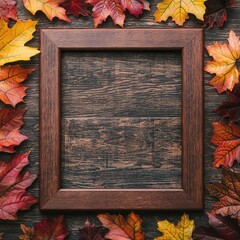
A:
<point x="228" y="194"/>
<point x="216" y="12"/>
<point x="121" y="229"/>
<point x="50" y="229"/>
<point x="13" y="184"/>
<point x="179" y="10"/>
<point x="115" y="9"/>
<point x="13" y="39"/>
<point x="183" y="230"/>
<point x="76" y="7"/>
<point x="49" y="7"/>
<point x="91" y="232"/>
<point x="27" y="233"/>
<point x="11" y="91"/>
<point x="8" y="10"/>
<point x="231" y="108"/>
<point x="223" y="64"/>
<point x="227" y="138"/>
<point x="10" y="123"/>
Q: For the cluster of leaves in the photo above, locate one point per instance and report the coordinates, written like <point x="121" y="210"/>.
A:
<point x="210" y="11"/>
<point x="226" y="133"/>
<point x="13" y="183"/>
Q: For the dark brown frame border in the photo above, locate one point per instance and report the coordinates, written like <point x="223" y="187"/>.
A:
<point x="52" y="196"/>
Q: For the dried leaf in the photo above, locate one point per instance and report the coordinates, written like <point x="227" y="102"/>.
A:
<point x="224" y="63"/>
<point x="115" y="9"/>
<point x="11" y="91"/>
<point x="76" y="7"/>
<point x="121" y="229"/>
<point x="183" y="230"/>
<point x="179" y="10"/>
<point x="13" y="184"/>
<point x="51" y="229"/>
<point x="13" y="39"/>
<point x="49" y="7"/>
<point x="227" y="138"/>
<point x="228" y="194"/>
<point x="27" y="233"/>
<point x="216" y="12"/>
<point x="90" y="232"/>
<point x="8" y="10"/>
<point x="231" y="108"/>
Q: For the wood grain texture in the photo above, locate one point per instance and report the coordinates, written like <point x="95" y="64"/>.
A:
<point x="137" y="95"/>
<point x="31" y="128"/>
<point x="116" y="133"/>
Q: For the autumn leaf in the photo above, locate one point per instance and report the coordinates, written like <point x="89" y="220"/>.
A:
<point x="227" y="138"/>
<point x="183" y="230"/>
<point x="10" y="123"/>
<point x="11" y="91"/>
<point x="51" y="229"/>
<point x="224" y="61"/>
<point x="228" y="194"/>
<point x="121" y="229"/>
<point x="216" y="12"/>
<point x="115" y="9"/>
<point x="13" y="184"/>
<point x="49" y="7"/>
<point x="27" y="233"/>
<point x="231" y="108"/>
<point x="13" y="39"/>
<point x="76" y="7"/>
<point x="8" y="10"/>
<point x="179" y="10"/>
<point x="91" y="232"/>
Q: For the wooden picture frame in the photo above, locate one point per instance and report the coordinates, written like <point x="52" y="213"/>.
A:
<point x="190" y="196"/>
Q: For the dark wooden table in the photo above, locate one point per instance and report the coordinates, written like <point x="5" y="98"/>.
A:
<point x="167" y="66"/>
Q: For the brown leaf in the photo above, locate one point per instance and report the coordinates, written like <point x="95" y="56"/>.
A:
<point x="121" y="229"/>
<point x="27" y="233"/>
<point x="228" y="193"/>
<point x="11" y="91"/>
<point x="13" y="184"/>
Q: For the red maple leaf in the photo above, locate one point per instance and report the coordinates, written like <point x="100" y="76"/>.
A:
<point x="216" y="12"/>
<point x="10" y="123"/>
<point x="48" y="229"/>
<point x="231" y="108"/>
<point x="13" y="184"/>
<point x="76" y="7"/>
<point x="8" y="10"/>
<point x="115" y="9"/>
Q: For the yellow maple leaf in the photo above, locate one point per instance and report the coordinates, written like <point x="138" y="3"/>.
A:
<point x="50" y="7"/>
<point x="179" y="10"/>
<point x="12" y="41"/>
<point x="224" y="61"/>
<point x="183" y="230"/>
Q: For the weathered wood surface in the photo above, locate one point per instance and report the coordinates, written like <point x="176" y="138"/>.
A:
<point x="117" y="129"/>
<point x="31" y="128"/>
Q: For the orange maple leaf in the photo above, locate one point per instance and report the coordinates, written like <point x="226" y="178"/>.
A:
<point x="227" y="138"/>
<point x="228" y="193"/>
<point x="224" y="61"/>
<point x="121" y="229"/>
<point x="10" y="123"/>
<point x="49" y="7"/>
<point x="11" y="91"/>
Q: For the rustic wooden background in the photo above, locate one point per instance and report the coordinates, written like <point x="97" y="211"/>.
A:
<point x="151" y="65"/>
